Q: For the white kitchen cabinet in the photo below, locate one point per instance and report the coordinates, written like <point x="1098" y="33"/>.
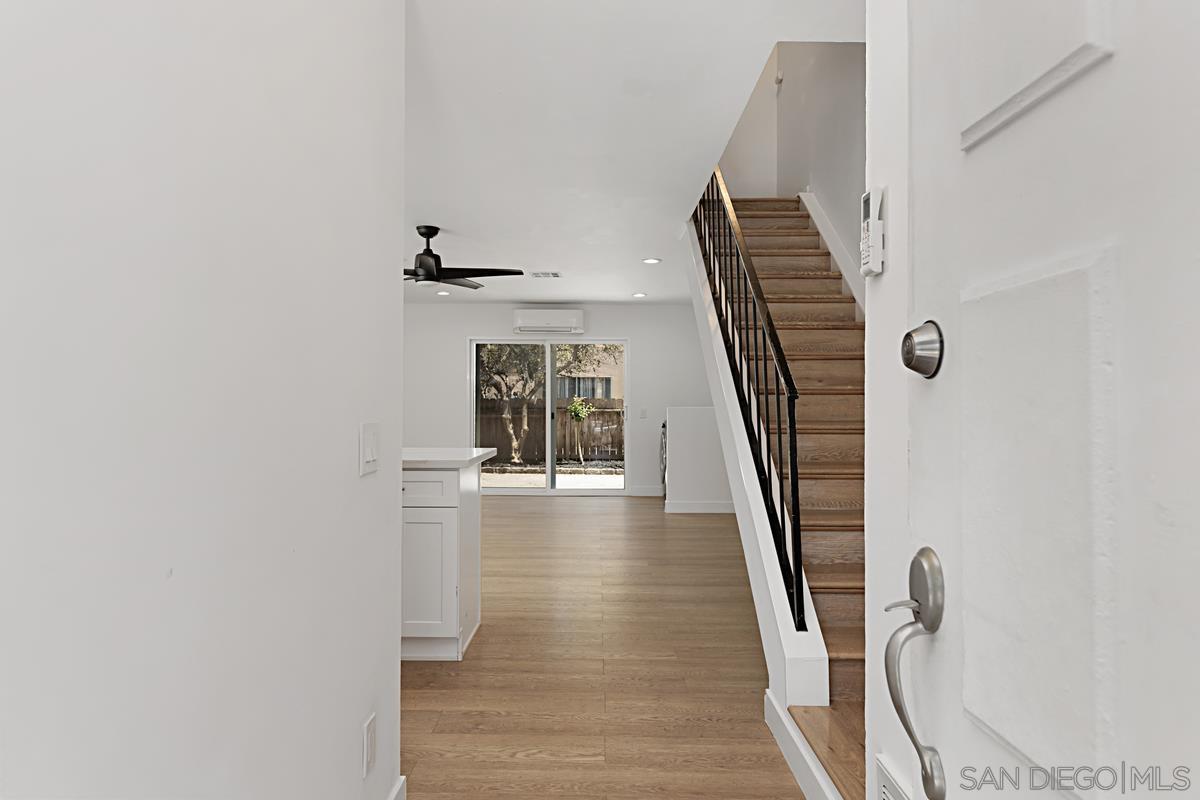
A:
<point x="440" y="552"/>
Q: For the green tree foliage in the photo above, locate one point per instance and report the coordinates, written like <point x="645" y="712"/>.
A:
<point x="515" y="374"/>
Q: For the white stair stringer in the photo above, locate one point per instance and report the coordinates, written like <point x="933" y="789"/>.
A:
<point x="797" y="662"/>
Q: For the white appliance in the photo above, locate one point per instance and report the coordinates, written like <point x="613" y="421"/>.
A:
<point x="548" y="320"/>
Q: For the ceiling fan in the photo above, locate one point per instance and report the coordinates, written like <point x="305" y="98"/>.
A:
<point x="427" y="266"/>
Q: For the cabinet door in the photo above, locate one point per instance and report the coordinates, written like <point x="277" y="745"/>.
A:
<point x="429" y="554"/>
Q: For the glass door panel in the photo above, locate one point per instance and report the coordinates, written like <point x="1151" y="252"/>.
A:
<point x="589" y="416"/>
<point x="510" y="413"/>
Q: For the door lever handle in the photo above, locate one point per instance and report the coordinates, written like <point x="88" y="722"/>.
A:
<point x="911" y="605"/>
<point x="927" y="599"/>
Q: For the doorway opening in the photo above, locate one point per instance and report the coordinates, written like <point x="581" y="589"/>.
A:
<point x="554" y="411"/>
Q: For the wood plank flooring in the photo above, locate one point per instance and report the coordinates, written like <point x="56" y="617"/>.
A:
<point x="619" y="658"/>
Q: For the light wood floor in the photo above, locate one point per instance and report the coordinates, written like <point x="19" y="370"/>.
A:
<point x="619" y="658"/>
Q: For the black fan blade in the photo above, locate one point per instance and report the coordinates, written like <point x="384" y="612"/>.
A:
<point x="463" y="282"/>
<point x="483" y="272"/>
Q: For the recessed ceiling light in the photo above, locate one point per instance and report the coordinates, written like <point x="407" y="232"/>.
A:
<point x="443" y="293"/>
<point x="651" y="260"/>
<point x="639" y="294"/>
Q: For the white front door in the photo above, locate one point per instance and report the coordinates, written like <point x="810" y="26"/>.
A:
<point x="1040" y="174"/>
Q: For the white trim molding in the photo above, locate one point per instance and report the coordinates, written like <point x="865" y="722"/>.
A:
<point x="797" y="661"/>
<point x="844" y="259"/>
<point x="1095" y="49"/>
<point x="806" y="768"/>
<point x="400" y="790"/>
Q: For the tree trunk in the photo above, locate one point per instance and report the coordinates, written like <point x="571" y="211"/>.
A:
<point x="517" y="443"/>
<point x="520" y="441"/>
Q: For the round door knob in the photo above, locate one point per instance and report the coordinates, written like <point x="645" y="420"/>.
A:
<point x="921" y="349"/>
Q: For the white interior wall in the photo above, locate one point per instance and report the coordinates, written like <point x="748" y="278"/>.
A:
<point x="822" y="128"/>
<point x="749" y="161"/>
<point x="663" y="368"/>
<point x="199" y="304"/>
<point x="807" y="134"/>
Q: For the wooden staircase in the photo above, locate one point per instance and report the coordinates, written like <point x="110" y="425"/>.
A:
<point x="822" y="337"/>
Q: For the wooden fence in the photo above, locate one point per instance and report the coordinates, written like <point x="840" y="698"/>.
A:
<point x="602" y="434"/>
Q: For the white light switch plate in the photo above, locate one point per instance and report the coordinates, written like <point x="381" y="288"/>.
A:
<point x="368" y="448"/>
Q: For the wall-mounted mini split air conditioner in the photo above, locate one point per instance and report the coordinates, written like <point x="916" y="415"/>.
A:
<point x="548" y="320"/>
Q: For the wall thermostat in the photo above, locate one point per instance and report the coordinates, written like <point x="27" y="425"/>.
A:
<point x="871" y="245"/>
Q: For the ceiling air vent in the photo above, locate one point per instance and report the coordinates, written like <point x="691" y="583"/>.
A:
<point x="545" y="274"/>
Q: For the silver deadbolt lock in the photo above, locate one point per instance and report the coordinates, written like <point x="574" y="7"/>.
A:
<point x="921" y="350"/>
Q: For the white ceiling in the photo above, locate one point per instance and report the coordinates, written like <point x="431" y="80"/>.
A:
<point x="572" y="136"/>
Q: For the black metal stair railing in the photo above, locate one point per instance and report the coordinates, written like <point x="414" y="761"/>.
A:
<point x="766" y="390"/>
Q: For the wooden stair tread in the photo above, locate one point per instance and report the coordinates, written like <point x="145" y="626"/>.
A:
<point x="845" y="577"/>
<point x="856" y="354"/>
<point x="790" y="251"/>
<point x="815" y="390"/>
<point x="777" y="297"/>
<point x="845" y="642"/>
<point x="821" y="325"/>
<point x="808" y="274"/>
<point x="775" y="232"/>
<point x="837" y="734"/>
<point x="817" y="470"/>
<point x="823" y="426"/>
<point x="831" y="519"/>
<point x="769" y="214"/>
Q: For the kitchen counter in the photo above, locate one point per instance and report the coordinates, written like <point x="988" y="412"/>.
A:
<point x="444" y="457"/>
<point x="440" y="552"/>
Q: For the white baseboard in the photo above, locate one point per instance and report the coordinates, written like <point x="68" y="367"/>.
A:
<point x="647" y="490"/>
<point x="429" y="648"/>
<point x="400" y="790"/>
<point x="806" y="768"/>
<point x="700" y="507"/>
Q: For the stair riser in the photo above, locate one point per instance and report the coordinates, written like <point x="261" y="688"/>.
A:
<point x="773" y="223"/>
<point x="839" y="608"/>
<point x="767" y="204"/>
<point x="821" y="407"/>
<point x="833" y="547"/>
<point x="843" y="447"/>
<point x="829" y="493"/>
<point x="798" y="342"/>
<point x="811" y="312"/>
<point x="800" y="241"/>
<point x="818" y="447"/>
<point x="835" y="407"/>
<point x="847" y="679"/>
<point x="813" y="373"/>
<point x="842" y="372"/>
<point x="765" y="265"/>
<point x="781" y="285"/>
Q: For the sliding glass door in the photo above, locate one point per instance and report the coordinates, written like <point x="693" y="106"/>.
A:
<point x="580" y="445"/>
<point x="510" y="413"/>
<point x="589" y="416"/>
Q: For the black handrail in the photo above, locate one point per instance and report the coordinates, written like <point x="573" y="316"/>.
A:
<point x="760" y="368"/>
